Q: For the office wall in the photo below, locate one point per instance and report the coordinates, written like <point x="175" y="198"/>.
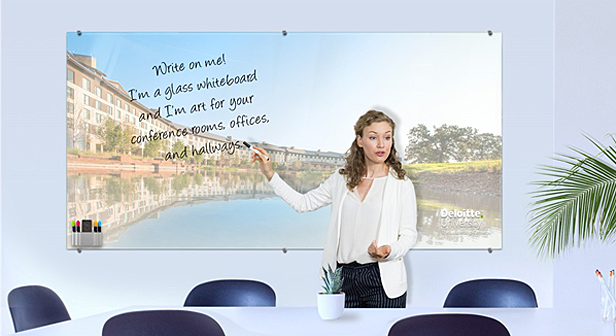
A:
<point x="33" y="148"/>
<point x="584" y="103"/>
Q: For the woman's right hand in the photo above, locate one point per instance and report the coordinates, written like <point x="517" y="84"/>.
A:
<point x="264" y="165"/>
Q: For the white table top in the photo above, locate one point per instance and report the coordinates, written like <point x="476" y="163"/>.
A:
<point x="290" y="321"/>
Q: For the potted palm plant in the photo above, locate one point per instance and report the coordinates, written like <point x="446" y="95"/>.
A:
<point x="577" y="202"/>
<point x="330" y="303"/>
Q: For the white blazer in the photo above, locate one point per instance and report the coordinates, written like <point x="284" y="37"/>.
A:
<point x="397" y="224"/>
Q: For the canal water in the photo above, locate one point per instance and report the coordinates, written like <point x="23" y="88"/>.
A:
<point x="237" y="210"/>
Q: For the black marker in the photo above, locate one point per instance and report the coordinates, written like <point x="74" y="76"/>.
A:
<point x="256" y="151"/>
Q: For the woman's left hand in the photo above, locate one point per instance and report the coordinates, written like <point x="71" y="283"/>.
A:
<point x="378" y="252"/>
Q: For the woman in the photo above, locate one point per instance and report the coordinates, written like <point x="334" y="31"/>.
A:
<point x="373" y="215"/>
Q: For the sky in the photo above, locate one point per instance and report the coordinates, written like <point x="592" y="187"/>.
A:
<point x="311" y="87"/>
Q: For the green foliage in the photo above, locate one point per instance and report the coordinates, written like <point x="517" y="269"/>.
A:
<point x="116" y="137"/>
<point x="451" y="144"/>
<point x="74" y="151"/>
<point x="152" y="148"/>
<point x="332" y="280"/>
<point x="576" y="203"/>
<point x="111" y="134"/>
<point x="438" y="168"/>
<point x="125" y="145"/>
<point x="178" y="147"/>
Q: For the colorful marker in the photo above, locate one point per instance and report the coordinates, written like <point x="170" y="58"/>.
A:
<point x="100" y="234"/>
<point x="73" y="234"/>
<point x="78" y="240"/>
<point x="609" y="294"/>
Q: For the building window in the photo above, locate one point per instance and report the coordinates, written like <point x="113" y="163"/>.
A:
<point x="126" y="108"/>
<point x="85" y="83"/>
<point x="118" y="115"/>
<point x="99" y="118"/>
<point x="134" y="111"/>
<point x="109" y="98"/>
<point x="70" y="93"/>
<point x="86" y="100"/>
<point x="110" y="110"/>
<point x="70" y="75"/>
<point x="98" y="105"/>
<point x="98" y="91"/>
<point x="119" y="103"/>
<point x="70" y="108"/>
<point x="86" y="114"/>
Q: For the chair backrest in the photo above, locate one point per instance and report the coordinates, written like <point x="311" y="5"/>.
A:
<point x="232" y="292"/>
<point x="162" y="323"/>
<point x="491" y="293"/>
<point x="448" y="325"/>
<point x="35" y="306"/>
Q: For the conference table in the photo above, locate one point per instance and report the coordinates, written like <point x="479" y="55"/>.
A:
<point x="300" y="321"/>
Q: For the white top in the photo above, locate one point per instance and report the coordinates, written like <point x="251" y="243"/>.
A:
<point x="396" y="226"/>
<point x="359" y="223"/>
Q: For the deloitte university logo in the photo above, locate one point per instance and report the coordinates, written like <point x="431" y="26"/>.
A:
<point x="461" y="222"/>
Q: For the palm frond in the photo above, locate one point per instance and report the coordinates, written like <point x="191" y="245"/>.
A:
<point x="577" y="201"/>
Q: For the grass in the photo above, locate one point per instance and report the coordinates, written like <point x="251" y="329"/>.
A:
<point x="446" y="168"/>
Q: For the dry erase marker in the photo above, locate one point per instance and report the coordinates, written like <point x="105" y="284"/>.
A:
<point x="73" y="235"/>
<point x="256" y="151"/>
<point x="95" y="232"/>
<point x="605" y="288"/>
<point x="100" y="234"/>
<point x="99" y="238"/>
<point x="77" y="240"/>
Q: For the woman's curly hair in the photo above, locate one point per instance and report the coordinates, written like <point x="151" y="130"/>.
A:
<point x="355" y="166"/>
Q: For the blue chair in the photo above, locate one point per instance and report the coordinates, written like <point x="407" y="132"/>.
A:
<point x="227" y="293"/>
<point x="448" y="325"/>
<point x="490" y="293"/>
<point x="162" y="323"/>
<point x="35" y="306"/>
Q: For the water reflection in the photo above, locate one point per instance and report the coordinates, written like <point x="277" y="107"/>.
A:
<point x="445" y="219"/>
<point x="123" y="203"/>
<point x="236" y="209"/>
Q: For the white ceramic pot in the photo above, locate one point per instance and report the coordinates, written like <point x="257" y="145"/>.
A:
<point x="330" y="306"/>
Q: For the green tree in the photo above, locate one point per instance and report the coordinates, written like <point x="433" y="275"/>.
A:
<point x="127" y="132"/>
<point x="451" y="144"/>
<point x="111" y="135"/>
<point x="152" y="148"/>
<point x="178" y="147"/>
<point x="486" y="146"/>
<point x="420" y="148"/>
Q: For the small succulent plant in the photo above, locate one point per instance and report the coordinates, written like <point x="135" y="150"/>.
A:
<point x="332" y="280"/>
